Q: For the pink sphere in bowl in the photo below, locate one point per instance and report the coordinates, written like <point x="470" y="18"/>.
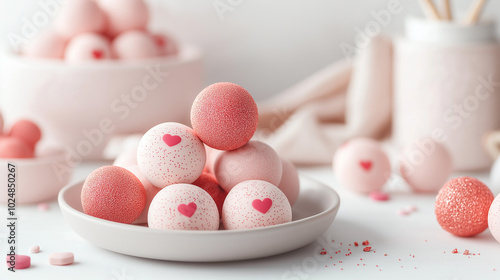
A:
<point x="151" y="192"/>
<point x="79" y="16"/>
<point x="166" y="44"/>
<point x="27" y="131"/>
<point x="88" y="47"/>
<point x="224" y="115"/>
<point x="125" y="15"/>
<point x="134" y="45"/>
<point x="212" y="155"/>
<point x="361" y="165"/>
<point x="254" y="161"/>
<point x="289" y="183"/>
<point x="12" y="147"/>
<point x="48" y="44"/>
<point x="494" y="218"/>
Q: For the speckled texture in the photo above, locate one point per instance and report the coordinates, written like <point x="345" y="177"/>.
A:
<point x="48" y="44"/>
<point x="289" y="183"/>
<point x="114" y="194"/>
<point x="239" y="212"/>
<point x="124" y="15"/>
<point x="254" y="161"/>
<point x="494" y="218"/>
<point x="164" y="165"/>
<point x="134" y="45"/>
<point x="165" y="211"/>
<point x="27" y="131"/>
<point x="151" y="192"/>
<point x="462" y="206"/>
<point x="79" y="16"/>
<point x="225" y="116"/>
<point x="88" y="47"/>
<point x="208" y="182"/>
<point x="11" y="147"/>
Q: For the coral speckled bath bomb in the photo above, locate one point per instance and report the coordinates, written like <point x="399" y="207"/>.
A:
<point x="151" y="192"/>
<point x="224" y="115"/>
<point x="79" y="16"/>
<point x="114" y="194"/>
<point x="11" y="147"/>
<point x="254" y="161"/>
<point x="255" y="203"/>
<point x="88" y="47"/>
<point x="462" y="206"/>
<point x="184" y="207"/>
<point x="289" y="183"/>
<point x="48" y="44"/>
<point x="494" y="218"/>
<point x="361" y="165"/>
<point x="27" y="131"/>
<point x="171" y="153"/>
<point x="208" y="183"/>
<point x="125" y="15"/>
<point x="135" y="45"/>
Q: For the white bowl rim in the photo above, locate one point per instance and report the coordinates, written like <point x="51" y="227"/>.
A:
<point x="56" y="155"/>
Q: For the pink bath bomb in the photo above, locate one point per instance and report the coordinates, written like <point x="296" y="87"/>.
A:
<point x="254" y="161"/>
<point x="361" y="165"/>
<point x="253" y="204"/>
<point x="79" y="16"/>
<point x="48" y="44"/>
<point x="134" y="45"/>
<point x="426" y="165"/>
<point x="462" y="206"/>
<point x="289" y="183"/>
<point x="166" y="44"/>
<point x="125" y="15"/>
<point x="11" y="147"/>
<point x="27" y="131"/>
<point x="88" y="47"/>
<point x="114" y="194"/>
<point x="212" y="155"/>
<point x="151" y="192"/>
<point x="171" y="153"/>
<point x="183" y="207"/>
<point x="224" y="115"/>
<point x="494" y="218"/>
<point x="207" y="182"/>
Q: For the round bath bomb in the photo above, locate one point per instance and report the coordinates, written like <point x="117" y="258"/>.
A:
<point x="171" y="153"/>
<point x="166" y="44"/>
<point x="254" y="161"/>
<point x="361" y="165"/>
<point x="48" y="44"/>
<point x="289" y="183"/>
<point x="114" y="194"/>
<point x="253" y="204"/>
<point x="207" y="182"/>
<point x="88" y="47"/>
<point x="79" y="16"/>
<point x="494" y="218"/>
<point x="12" y="147"/>
<point x="212" y="155"/>
<point x="151" y="192"/>
<point x="134" y="45"/>
<point x="426" y="165"/>
<point x="27" y="131"/>
<point x="184" y="207"/>
<point x="462" y="206"/>
<point x="224" y="115"/>
<point x="125" y="15"/>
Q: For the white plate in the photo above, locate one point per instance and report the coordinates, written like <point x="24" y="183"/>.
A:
<point x="313" y="213"/>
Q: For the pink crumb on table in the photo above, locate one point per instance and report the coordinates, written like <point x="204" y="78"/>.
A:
<point x="35" y="249"/>
<point x="366" y="242"/>
<point x="18" y="261"/>
<point x="42" y="207"/>
<point x="379" y="196"/>
<point x="466" y="252"/>
<point x="367" y="249"/>
<point x="61" y="258"/>
<point x="454" y="251"/>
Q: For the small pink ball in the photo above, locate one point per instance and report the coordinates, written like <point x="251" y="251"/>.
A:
<point x="48" y="44"/>
<point x="27" y="131"/>
<point x="113" y="193"/>
<point x="134" y="45"/>
<point x="361" y="165"/>
<point x="212" y="155"/>
<point x="224" y="115"/>
<point x="166" y="44"/>
<point x="494" y="218"/>
<point x="289" y="183"/>
<point x="254" y="161"/>
<point x="79" y="16"/>
<point x="12" y="147"/>
<point x="125" y="15"/>
<point x="151" y="192"/>
<point x="88" y="47"/>
<point x="462" y="206"/>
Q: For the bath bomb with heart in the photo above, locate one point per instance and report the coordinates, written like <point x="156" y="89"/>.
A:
<point x="151" y="192"/>
<point x="88" y="47"/>
<point x="207" y="182"/>
<point x="361" y="165"/>
<point x="494" y="218"/>
<point x="289" y="183"/>
<point x="79" y="16"/>
<point x="183" y="207"/>
<point x="171" y="153"/>
<point x="253" y="204"/>
<point x="254" y="161"/>
<point x="125" y="15"/>
<point x="48" y="44"/>
<point x="166" y="44"/>
<point x="134" y="45"/>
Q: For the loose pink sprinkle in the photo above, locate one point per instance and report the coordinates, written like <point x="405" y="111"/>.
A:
<point x="403" y="212"/>
<point x="466" y="252"/>
<point x="454" y="251"/>
<point x="43" y="207"/>
<point x="366" y="242"/>
<point x="385" y="255"/>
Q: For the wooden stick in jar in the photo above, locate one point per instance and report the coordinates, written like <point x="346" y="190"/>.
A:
<point x="475" y="12"/>
<point x="429" y="9"/>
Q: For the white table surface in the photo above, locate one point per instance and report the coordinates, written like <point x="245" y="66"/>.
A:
<point x="415" y="245"/>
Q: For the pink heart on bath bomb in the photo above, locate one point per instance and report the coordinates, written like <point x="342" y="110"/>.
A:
<point x="171" y="140"/>
<point x="366" y="165"/>
<point x="262" y="205"/>
<point x="187" y="210"/>
<point x="97" y="54"/>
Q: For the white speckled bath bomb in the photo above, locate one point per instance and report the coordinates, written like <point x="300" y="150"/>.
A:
<point x="255" y="203"/>
<point x="171" y="153"/>
<point x="494" y="218"/>
<point x="183" y="207"/>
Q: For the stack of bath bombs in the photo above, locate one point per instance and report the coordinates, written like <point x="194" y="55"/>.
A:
<point x="88" y="30"/>
<point x="20" y="141"/>
<point x="183" y="178"/>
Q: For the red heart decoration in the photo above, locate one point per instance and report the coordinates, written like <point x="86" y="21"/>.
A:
<point x="97" y="54"/>
<point x="187" y="210"/>
<point x="159" y="41"/>
<point x="366" y="164"/>
<point x="171" y="140"/>
<point x="262" y="205"/>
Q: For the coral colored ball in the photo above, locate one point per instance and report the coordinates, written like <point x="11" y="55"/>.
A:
<point x="224" y="115"/>
<point x="208" y="183"/>
<point x="27" y="131"/>
<point x="11" y="147"/>
<point x="114" y="194"/>
<point x="462" y="206"/>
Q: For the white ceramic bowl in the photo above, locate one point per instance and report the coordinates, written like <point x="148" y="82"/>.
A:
<point x="80" y="106"/>
<point x="313" y="214"/>
<point x="37" y="179"/>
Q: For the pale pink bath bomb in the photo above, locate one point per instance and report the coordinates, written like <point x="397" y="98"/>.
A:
<point x="361" y="165"/>
<point x="166" y="44"/>
<point x="114" y="194"/>
<point x="207" y="182"/>
<point x="79" y="16"/>
<point x="27" y="131"/>
<point x="171" y="153"/>
<point x="253" y="204"/>
<point x="88" y="47"/>
<point x="46" y="45"/>
<point x="183" y="207"/>
<point x="212" y="155"/>
<point x="11" y="147"/>
<point x="224" y="115"/>
<point x="289" y="183"/>
<point x="426" y="165"/>
<point x="134" y="45"/>
<point x="151" y="192"/>
<point x="494" y="218"/>
<point x="125" y="15"/>
<point x="254" y="161"/>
